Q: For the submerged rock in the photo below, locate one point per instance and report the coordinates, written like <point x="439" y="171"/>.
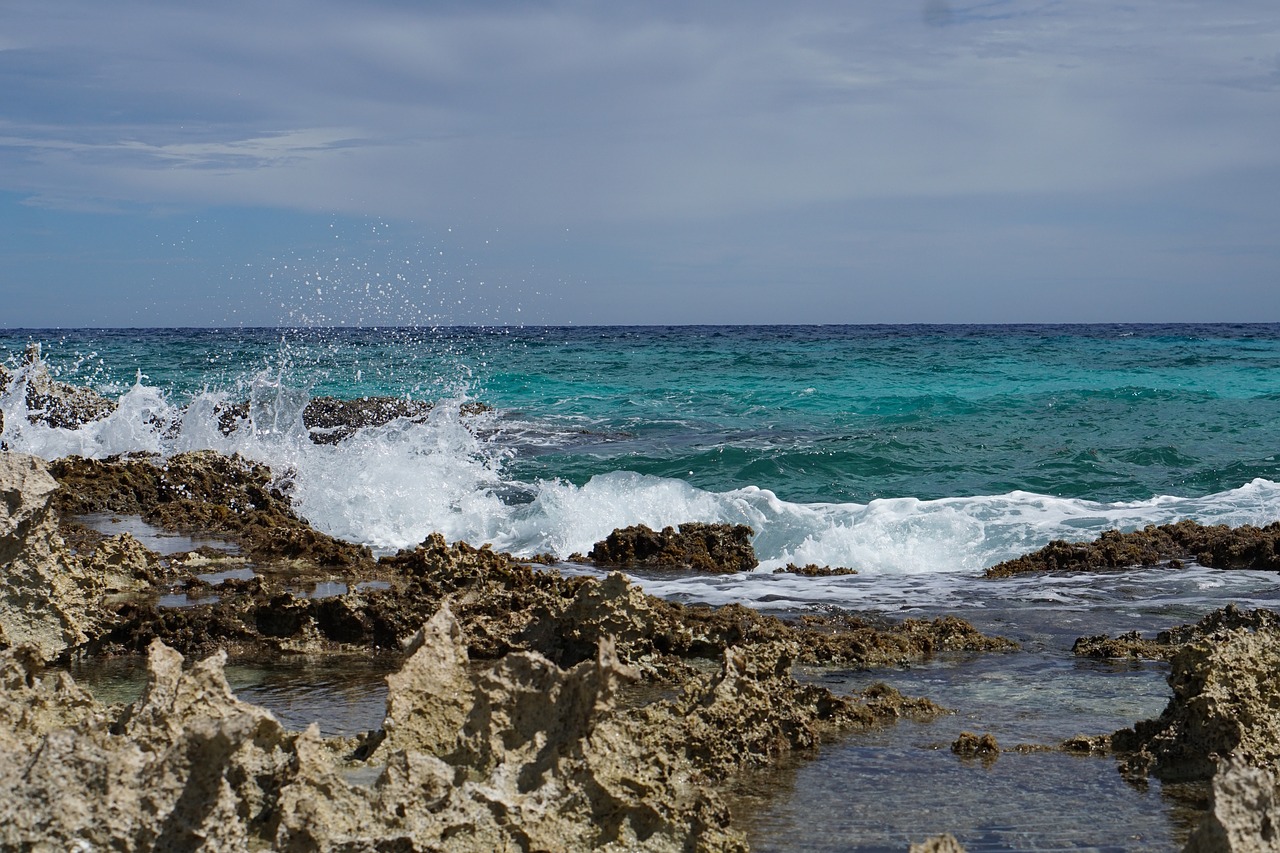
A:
<point x="1217" y="546"/>
<point x="716" y="548"/>
<point x="970" y="745"/>
<point x="1225" y="704"/>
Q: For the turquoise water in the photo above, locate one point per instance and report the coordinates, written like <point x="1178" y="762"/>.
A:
<point x="1108" y="413"/>
<point x="918" y="455"/>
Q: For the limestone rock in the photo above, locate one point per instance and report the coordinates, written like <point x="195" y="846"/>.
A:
<point x="430" y="697"/>
<point x="1245" y="815"/>
<point x="1226" y="702"/>
<point x="43" y="602"/>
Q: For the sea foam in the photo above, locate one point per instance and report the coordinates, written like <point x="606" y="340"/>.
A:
<point x="390" y="486"/>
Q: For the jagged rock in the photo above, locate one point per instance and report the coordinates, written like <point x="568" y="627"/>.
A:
<point x="429" y="698"/>
<point x="1217" y="546"/>
<point x="188" y="767"/>
<point x="203" y="492"/>
<point x="1226" y="702"/>
<point x="532" y="765"/>
<point x="717" y="548"/>
<point x="35" y="701"/>
<point x="43" y="600"/>
<point x="945" y="843"/>
<point x="1245" y="813"/>
<point x="54" y="403"/>
<point x="1167" y="643"/>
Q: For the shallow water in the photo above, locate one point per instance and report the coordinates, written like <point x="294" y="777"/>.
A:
<point x="344" y="695"/>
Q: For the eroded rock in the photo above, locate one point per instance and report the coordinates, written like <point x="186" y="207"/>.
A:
<point x="1226" y="703"/>
<point x="715" y="548"/>
<point x="1244" y="816"/>
<point x="1216" y="546"/>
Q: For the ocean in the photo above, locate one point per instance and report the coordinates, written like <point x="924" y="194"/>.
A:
<point x="918" y="455"/>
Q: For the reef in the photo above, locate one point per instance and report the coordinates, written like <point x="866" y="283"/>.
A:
<point x="715" y="548"/>
<point x="329" y="420"/>
<point x="1168" y="643"/>
<point x="1215" y="546"/>
<point x="532" y="710"/>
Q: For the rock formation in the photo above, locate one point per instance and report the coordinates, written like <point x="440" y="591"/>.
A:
<point x="1217" y="546"/>
<point x="1225" y="705"/>
<point x="715" y="548"/>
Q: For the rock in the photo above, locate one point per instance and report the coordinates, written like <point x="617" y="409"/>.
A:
<point x="53" y="403"/>
<point x="43" y="598"/>
<point x="1244" y="816"/>
<point x="970" y="745"/>
<point x="1218" y="546"/>
<point x="431" y="696"/>
<point x="203" y="492"/>
<point x="812" y="570"/>
<point x="716" y="548"/>
<point x="188" y="767"/>
<point x="1167" y="643"/>
<point x="1226" y="702"/>
<point x="329" y="420"/>
<point x="945" y="843"/>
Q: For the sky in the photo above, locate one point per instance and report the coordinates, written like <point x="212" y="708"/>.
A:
<point x="413" y="162"/>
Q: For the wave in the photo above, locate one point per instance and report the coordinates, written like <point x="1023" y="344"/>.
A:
<point x="391" y="485"/>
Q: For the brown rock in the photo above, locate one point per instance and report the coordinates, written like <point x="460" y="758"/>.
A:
<point x="970" y="745"/>
<point x="715" y="548"/>
<point x="1218" y="546"/>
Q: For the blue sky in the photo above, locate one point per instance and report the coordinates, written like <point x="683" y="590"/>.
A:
<point x="230" y="163"/>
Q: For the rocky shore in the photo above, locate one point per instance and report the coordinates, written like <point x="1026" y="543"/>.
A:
<point x="531" y="709"/>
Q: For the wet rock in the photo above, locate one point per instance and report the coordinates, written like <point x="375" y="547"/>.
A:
<point x="1087" y="744"/>
<point x="945" y="843"/>
<point x="970" y="745"/>
<point x="1226" y="702"/>
<point x="53" y="403"/>
<point x="329" y="420"/>
<point x="715" y="548"/>
<point x="1167" y="643"/>
<point x="753" y="710"/>
<point x="1130" y="645"/>
<point x="812" y="570"/>
<point x="1244" y="816"/>
<point x="202" y="492"/>
<point x="1217" y="546"/>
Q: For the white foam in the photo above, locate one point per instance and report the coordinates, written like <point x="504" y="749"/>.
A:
<point x="390" y="486"/>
